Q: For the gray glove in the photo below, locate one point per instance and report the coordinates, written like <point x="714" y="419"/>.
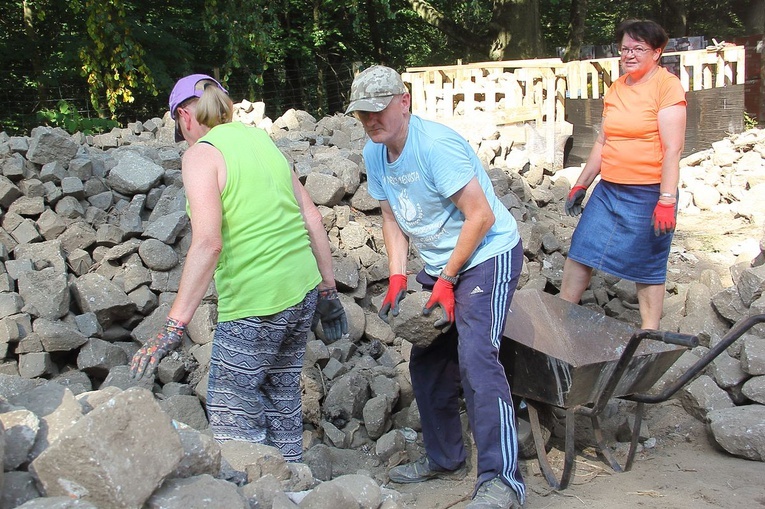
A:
<point x="330" y="311"/>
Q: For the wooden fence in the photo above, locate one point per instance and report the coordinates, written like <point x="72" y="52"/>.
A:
<point x="535" y="90"/>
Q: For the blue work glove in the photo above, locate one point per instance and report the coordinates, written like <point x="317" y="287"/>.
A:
<point x="329" y="310"/>
<point x="146" y="359"/>
<point x="574" y="200"/>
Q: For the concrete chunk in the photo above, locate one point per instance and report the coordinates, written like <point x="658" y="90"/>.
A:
<point x="56" y="408"/>
<point x="740" y="430"/>
<point x="21" y="427"/>
<point x="411" y="324"/>
<point x="753" y="355"/>
<point x="58" y="336"/>
<point x="18" y="488"/>
<point x="167" y="228"/>
<point x="702" y="396"/>
<point x="97" y="357"/>
<point x="96" y="294"/>
<point x="156" y="254"/>
<point x="324" y="189"/>
<point x="51" y="144"/>
<point x="45" y="293"/>
<point x="96" y="458"/>
<point x="134" y="174"/>
<point x="201" y="454"/>
<point x="200" y="492"/>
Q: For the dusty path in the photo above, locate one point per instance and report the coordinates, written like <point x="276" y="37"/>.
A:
<point x="685" y="469"/>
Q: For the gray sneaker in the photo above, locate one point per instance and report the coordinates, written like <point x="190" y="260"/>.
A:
<point x="420" y="470"/>
<point x="494" y="494"/>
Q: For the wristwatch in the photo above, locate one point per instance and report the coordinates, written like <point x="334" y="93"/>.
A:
<point x="450" y="279"/>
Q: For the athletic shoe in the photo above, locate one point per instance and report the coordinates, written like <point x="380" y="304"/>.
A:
<point x="420" y="470"/>
<point x="494" y="494"/>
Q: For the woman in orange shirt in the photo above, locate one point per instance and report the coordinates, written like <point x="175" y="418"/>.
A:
<point x="627" y="227"/>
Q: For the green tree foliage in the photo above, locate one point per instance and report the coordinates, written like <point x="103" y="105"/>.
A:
<point x="125" y="55"/>
<point x="496" y="30"/>
<point x="112" y="61"/>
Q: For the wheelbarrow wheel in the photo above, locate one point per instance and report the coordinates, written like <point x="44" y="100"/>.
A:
<point x="526" y="445"/>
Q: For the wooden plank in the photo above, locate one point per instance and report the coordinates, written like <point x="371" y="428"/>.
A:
<point x="685" y="77"/>
<point x="595" y="80"/>
<point x="533" y="62"/>
<point x="490" y="95"/>
<point x="720" y="71"/>
<point x="437" y="79"/>
<point x="560" y="99"/>
<point x="549" y="126"/>
<point x="469" y="91"/>
<point x="431" y="95"/>
<point x="448" y="102"/>
<point x="584" y="75"/>
<point x="707" y="77"/>
<point x="518" y="115"/>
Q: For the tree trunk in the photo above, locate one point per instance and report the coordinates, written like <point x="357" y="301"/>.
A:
<point x="577" y="16"/>
<point x="675" y="17"/>
<point x="320" y="57"/>
<point x="754" y="21"/>
<point x="378" y="47"/>
<point x="515" y="30"/>
<point x="434" y="17"/>
<point x="34" y="47"/>
<point x="338" y="84"/>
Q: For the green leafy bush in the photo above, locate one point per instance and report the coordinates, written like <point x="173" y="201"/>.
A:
<point x="750" y="122"/>
<point x="68" y="118"/>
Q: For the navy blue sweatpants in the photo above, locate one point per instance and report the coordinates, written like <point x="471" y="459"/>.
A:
<point x="470" y="355"/>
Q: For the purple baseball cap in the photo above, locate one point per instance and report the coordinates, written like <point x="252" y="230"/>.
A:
<point x="185" y="89"/>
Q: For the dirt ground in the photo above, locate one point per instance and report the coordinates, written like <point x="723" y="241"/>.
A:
<point x="685" y="469"/>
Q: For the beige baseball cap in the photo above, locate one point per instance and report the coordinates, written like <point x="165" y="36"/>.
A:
<point x="374" y="88"/>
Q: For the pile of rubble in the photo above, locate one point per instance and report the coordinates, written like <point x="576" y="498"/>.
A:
<point x="92" y="240"/>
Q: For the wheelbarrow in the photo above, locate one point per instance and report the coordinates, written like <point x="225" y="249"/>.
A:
<point x="562" y="358"/>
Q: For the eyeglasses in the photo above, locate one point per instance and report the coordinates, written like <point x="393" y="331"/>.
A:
<point x="637" y="51"/>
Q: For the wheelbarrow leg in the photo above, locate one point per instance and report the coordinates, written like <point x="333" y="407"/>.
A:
<point x="539" y="442"/>
<point x="606" y="452"/>
<point x="635" y="437"/>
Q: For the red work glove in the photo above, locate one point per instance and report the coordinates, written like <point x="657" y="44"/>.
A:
<point x="146" y="359"/>
<point x="443" y="295"/>
<point x="396" y="291"/>
<point x="574" y="200"/>
<point x="663" y="219"/>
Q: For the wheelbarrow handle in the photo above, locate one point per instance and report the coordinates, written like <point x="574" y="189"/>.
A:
<point x="673" y="338"/>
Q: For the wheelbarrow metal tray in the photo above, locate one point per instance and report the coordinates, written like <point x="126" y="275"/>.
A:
<point x="564" y="354"/>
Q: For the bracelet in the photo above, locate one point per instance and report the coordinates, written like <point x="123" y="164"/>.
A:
<point x="329" y="293"/>
<point x="667" y="195"/>
<point x="449" y="279"/>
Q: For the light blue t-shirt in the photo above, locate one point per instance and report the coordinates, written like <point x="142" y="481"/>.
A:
<point x="436" y="163"/>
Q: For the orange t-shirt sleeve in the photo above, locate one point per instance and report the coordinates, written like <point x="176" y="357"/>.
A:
<point x="633" y="153"/>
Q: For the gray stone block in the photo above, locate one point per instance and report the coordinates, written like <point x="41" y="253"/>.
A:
<point x="114" y="439"/>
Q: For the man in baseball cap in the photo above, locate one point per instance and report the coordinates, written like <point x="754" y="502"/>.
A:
<point x="435" y="194"/>
<point x="373" y="89"/>
<point x="188" y="88"/>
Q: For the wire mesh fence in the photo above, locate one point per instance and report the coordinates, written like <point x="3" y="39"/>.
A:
<point x="318" y="92"/>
